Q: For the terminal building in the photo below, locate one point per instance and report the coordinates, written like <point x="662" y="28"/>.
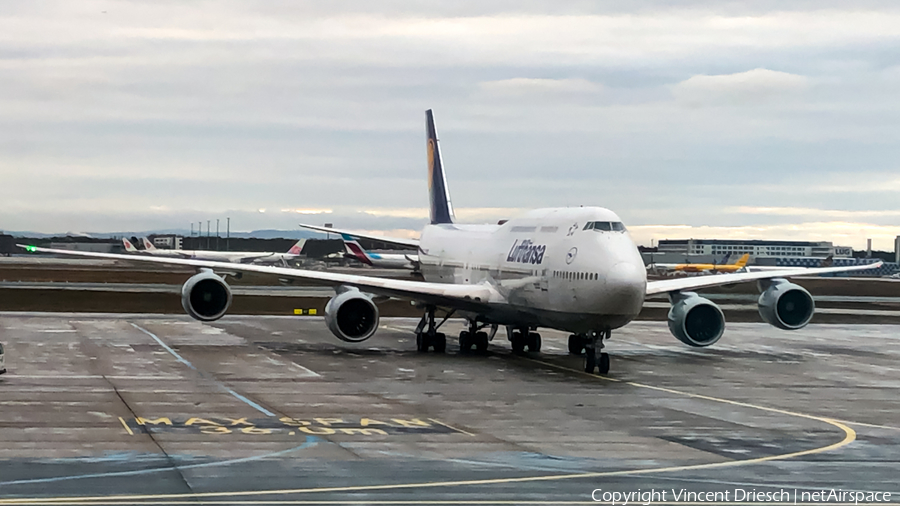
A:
<point x="756" y="248"/>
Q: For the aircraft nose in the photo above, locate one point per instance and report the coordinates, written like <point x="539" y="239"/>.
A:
<point x="626" y="284"/>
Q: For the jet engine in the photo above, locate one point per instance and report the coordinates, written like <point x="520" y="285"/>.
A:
<point x="695" y="320"/>
<point x="351" y="315"/>
<point x="784" y="304"/>
<point x="206" y="296"/>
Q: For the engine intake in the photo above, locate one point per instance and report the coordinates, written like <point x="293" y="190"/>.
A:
<point x="351" y="315"/>
<point x="784" y="304"/>
<point x="695" y="320"/>
<point x="206" y="296"/>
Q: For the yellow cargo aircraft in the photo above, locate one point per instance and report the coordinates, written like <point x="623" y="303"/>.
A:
<point x="739" y="265"/>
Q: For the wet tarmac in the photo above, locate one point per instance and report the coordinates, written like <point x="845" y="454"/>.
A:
<point x="129" y="409"/>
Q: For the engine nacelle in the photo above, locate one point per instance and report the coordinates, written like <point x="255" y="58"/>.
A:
<point x="206" y="296"/>
<point x="351" y="315"/>
<point x="694" y="320"/>
<point x="784" y="304"/>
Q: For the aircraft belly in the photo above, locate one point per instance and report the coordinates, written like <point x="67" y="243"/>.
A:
<point x="577" y="322"/>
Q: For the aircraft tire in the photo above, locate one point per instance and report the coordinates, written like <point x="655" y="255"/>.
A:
<point x="576" y="345"/>
<point x="439" y="342"/>
<point x="481" y="341"/>
<point x="518" y="342"/>
<point x="465" y="341"/>
<point x="534" y="342"/>
<point x="590" y="362"/>
<point x="603" y="366"/>
<point x="422" y="342"/>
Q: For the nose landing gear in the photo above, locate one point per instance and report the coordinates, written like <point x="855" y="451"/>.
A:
<point x="594" y="358"/>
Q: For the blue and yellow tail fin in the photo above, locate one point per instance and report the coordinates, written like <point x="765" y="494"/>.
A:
<point x="441" y="208"/>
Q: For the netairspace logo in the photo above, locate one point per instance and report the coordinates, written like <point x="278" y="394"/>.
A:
<point x="738" y="495"/>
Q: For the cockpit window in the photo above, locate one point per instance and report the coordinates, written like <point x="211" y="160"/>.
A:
<point x="605" y="226"/>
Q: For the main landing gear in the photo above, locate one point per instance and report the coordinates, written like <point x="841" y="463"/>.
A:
<point x="592" y="343"/>
<point x="427" y="335"/>
<point x="476" y="337"/>
<point x="522" y="337"/>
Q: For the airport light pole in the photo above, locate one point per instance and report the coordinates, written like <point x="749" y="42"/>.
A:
<point x="207" y="233"/>
<point x="217" y="234"/>
<point x="227" y="233"/>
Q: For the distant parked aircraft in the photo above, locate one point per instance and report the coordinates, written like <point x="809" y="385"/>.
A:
<point x="385" y="260"/>
<point x="220" y="256"/>
<point x="738" y="266"/>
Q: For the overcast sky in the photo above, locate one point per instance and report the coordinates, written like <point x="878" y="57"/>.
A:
<point x="709" y="119"/>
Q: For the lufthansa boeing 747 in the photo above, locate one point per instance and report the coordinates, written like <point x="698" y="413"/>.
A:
<point x="570" y="269"/>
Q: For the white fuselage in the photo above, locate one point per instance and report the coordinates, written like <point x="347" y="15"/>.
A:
<point x="218" y="256"/>
<point x="551" y="271"/>
<point x="391" y="260"/>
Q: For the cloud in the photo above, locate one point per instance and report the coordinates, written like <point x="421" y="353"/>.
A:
<point x="313" y="105"/>
<point x="806" y="211"/>
<point x="464" y="213"/>
<point x="533" y="86"/>
<point x="743" y="88"/>
<point x="307" y="211"/>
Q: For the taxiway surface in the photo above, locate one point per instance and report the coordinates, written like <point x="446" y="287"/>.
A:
<point x="163" y="409"/>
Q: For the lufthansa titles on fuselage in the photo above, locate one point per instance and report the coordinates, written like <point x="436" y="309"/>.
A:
<point x="526" y="252"/>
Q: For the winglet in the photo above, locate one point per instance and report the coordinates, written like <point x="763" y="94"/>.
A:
<point x="128" y="246"/>
<point x="441" y="207"/>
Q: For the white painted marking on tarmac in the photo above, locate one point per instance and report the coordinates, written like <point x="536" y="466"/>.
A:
<point x="221" y="385"/>
<point x="57" y="331"/>
<point x="308" y="372"/>
<point x="309" y="443"/>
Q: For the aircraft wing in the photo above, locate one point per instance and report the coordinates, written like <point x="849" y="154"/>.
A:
<point x="694" y="283"/>
<point x="473" y="297"/>
<point x="412" y="243"/>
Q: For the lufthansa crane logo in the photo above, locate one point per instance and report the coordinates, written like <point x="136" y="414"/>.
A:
<point x="570" y="256"/>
